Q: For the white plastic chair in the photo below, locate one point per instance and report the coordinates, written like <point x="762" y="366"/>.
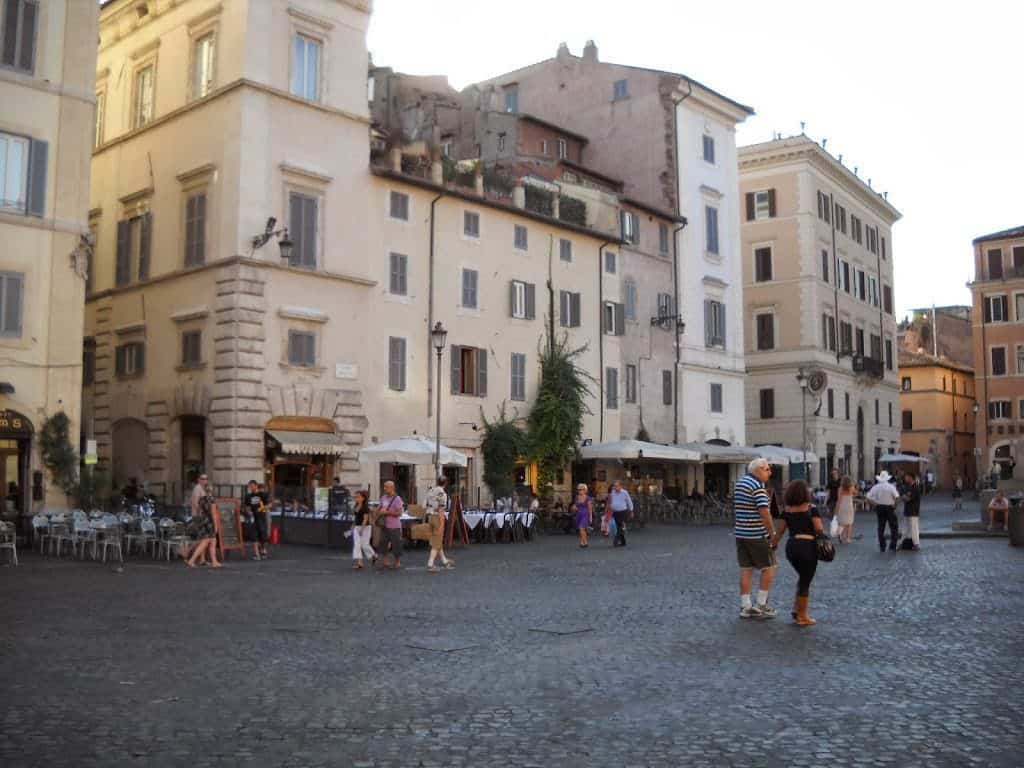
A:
<point x="111" y="540"/>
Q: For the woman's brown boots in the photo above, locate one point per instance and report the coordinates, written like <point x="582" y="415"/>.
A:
<point x="802" y="618"/>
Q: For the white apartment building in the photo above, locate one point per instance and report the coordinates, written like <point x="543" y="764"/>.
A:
<point x="818" y="294"/>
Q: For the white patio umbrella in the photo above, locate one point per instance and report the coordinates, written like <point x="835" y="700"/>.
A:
<point x="416" y="450"/>
<point x="900" y="458"/>
<point x="776" y="454"/>
<point x="638" y="449"/>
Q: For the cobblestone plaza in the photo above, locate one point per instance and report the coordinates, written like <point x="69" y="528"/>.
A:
<point x="526" y="655"/>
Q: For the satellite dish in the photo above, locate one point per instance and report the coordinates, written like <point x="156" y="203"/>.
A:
<point x="817" y="380"/>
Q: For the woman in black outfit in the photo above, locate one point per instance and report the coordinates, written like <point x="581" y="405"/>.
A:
<point x="804" y="524"/>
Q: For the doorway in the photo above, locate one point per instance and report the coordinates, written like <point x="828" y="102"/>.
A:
<point x="193" y="449"/>
<point x="15" y="455"/>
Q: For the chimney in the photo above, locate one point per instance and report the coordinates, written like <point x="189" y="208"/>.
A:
<point x="563" y="52"/>
<point x="519" y="195"/>
<point x="590" y="52"/>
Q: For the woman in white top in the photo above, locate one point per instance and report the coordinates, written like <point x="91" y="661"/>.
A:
<point x="845" y="510"/>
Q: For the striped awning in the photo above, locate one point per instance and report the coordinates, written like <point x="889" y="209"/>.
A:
<point x="315" y="443"/>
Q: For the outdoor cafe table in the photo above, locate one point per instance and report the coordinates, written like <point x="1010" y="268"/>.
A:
<point x="474" y="517"/>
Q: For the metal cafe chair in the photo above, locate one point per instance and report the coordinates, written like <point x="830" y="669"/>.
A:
<point x="9" y="539"/>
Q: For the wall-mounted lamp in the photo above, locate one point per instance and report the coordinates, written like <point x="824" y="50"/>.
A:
<point x="284" y="242"/>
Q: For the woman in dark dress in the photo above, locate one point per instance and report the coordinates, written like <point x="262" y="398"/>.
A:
<point x="204" y="530"/>
<point x="804" y="524"/>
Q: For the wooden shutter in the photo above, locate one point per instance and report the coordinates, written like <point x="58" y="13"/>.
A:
<point x="574" y="300"/>
<point x="145" y="240"/>
<point x="199" y="230"/>
<point x="721" y="322"/>
<point x="119" y="360"/>
<point x="771" y="203"/>
<point x="481" y="372"/>
<point x="750" y="206"/>
<point x="12" y="299"/>
<point x="620" y="319"/>
<point x="123" y="267"/>
<point x="563" y="309"/>
<point x="309" y="226"/>
<point x="26" y="57"/>
<point x="396" y="372"/>
<point x="295" y="229"/>
<point x="37" y="159"/>
<point x="988" y="310"/>
<point x="531" y="301"/>
<point x="708" y="320"/>
<point x="512" y="298"/>
<point x="140" y="357"/>
<point x="456" y="353"/>
<point x="666" y="387"/>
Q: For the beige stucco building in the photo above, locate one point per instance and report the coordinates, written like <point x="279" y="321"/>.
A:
<point x="47" y="65"/>
<point x="818" y="294"/>
<point x="212" y="352"/>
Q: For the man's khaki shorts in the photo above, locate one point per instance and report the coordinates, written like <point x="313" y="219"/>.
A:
<point x="755" y="553"/>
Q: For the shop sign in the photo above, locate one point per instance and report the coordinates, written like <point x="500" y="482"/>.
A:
<point x="13" y="424"/>
<point x="346" y="371"/>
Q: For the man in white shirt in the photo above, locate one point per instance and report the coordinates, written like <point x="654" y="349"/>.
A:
<point x="883" y="496"/>
<point x="437" y="511"/>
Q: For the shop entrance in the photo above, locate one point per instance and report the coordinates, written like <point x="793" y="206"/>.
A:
<point x="15" y="454"/>
<point x="193" y="449"/>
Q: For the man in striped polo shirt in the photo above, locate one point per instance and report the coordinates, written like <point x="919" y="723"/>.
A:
<point x="754" y="531"/>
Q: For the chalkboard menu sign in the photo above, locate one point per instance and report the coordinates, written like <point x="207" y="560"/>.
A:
<point x="228" y="518"/>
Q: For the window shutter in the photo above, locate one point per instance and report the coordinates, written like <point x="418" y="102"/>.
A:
<point x="575" y="309"/>
<point x="37" y="178"/>
<point x="456" y="353"/>
<point x="296" y="230"/>
<point x="140" y="358"/>
<point x="199" y="233"/>
<point x="481" y="372"/>
<point x="563" y="309"/>
<point x="666" y="387"/>
<point x="512" y="298"/>
<point x="750" y="206"/>
<point x="708" y="330"/>
<point x="309" y="233"/>
<point x="123" y="269"/>
<point x="10" y="323"/>
<point x="119" y="361"/>
<point x="771" y="203"/>
<point x="145" y="238"/>
<point x="531" y="301"/>
<point x="721" y="323"/>
<point x="190" y="231"/>
<point x="28" y="36"/>
<point x="620" y="319"/>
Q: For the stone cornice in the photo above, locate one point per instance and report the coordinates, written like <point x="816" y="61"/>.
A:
<point x="773" y="154"/>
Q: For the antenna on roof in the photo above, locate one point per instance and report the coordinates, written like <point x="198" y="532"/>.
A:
<point x="802" y="126"/>
<point x="840" y="158"/>
<point x="823" y="143"/>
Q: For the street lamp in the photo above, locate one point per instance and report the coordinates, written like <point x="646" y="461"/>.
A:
<point x="977" y="451"/>
<point x="438" y="337"/>
<point x="801" y="379"/>
<point x="283" y="241"/>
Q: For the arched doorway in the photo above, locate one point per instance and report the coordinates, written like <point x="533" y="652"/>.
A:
<point x="860" y="443"/>
<point x="129" y="453"/>
<point x="15" y="453"/>
<point x="193" y="450"/>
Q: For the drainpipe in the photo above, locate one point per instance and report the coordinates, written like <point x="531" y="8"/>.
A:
<point x="676" y="330"/>
<point x="835" y="265"/>
<point x="430" y="312"/>
<point x="600" y="336"/>
<point x="675" y="257"/>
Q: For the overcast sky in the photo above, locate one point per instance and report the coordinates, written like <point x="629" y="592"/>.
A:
<point x="924" y="97"/>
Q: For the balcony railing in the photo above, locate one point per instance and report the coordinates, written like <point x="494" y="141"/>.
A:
<point x="1009" y="273"/>
<point x="869" y="366"/>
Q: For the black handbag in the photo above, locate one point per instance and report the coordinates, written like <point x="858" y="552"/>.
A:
<point x="826" y="549"/>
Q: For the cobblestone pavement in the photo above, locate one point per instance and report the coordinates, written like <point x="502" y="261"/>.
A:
<point x="543" y="655"/>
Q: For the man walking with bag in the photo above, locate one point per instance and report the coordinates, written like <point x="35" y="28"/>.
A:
<point x="620" y="503"/>
<point x="883" y="496"/>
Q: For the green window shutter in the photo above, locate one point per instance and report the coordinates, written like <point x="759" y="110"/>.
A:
<point x="123" y="267"/>
<point x="771" y="203"/>
<point x="456" y="353"/>
<point x="145" y="241"/>
<point x="37" y="159"/>
<point x="531" y="301"/>
<point x="481" y="372"/>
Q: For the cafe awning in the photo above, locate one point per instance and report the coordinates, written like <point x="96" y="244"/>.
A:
<point x="710" y="453"/>
<point x="314" y="443"/>
<point x="638" y="449"/>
